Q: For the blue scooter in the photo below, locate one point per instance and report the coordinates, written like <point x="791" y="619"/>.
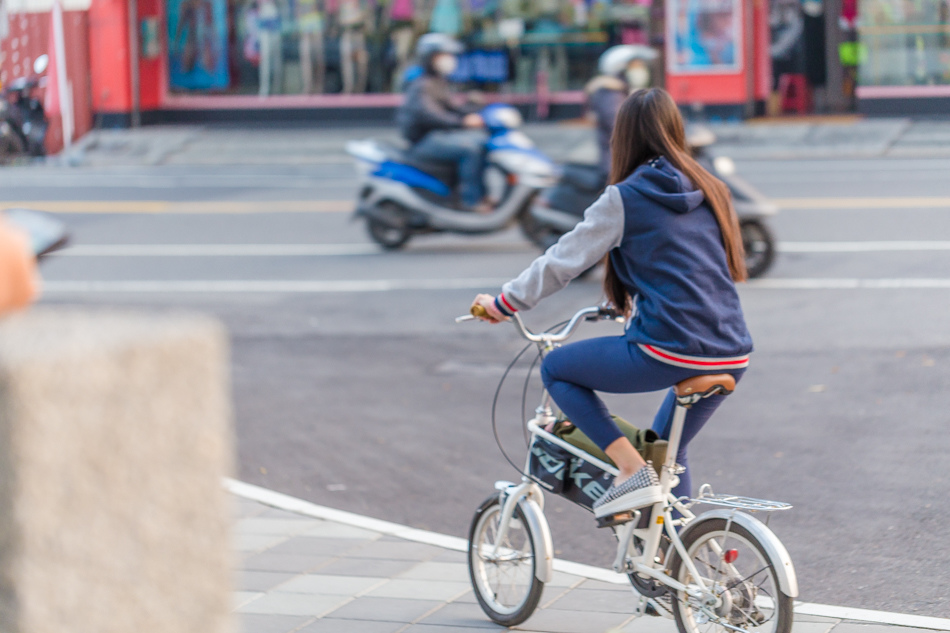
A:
<point x="401" y="196"/>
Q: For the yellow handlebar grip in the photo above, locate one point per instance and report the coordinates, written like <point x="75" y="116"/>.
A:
<point x="478" y="311"/>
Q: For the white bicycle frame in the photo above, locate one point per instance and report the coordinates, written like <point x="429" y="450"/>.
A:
<point x="626" y="560"/>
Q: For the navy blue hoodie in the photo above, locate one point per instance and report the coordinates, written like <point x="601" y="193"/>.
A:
<point x="666" y="248"/>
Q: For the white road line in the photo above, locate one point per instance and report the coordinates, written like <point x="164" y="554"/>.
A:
<point x="275" y="286"/>
<point x="849" y="284"/>
<point x="387" y="285"/>
<point x="333" y="250"/>
<point x="306" y="508"/>
<point x="277" y="250"/>
<point x="861" y="204"/>
<point x="218" y="250"/>
<point x="862" y="247"/>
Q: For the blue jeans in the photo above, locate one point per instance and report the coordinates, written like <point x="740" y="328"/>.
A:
<point x="614" y="365"/>
<point x="466" y="148"/>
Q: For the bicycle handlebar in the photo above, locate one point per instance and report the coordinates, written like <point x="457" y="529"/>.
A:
<point x="592" y="313"/>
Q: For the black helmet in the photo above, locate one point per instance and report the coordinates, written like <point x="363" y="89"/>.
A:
<point x="431" y="44"/>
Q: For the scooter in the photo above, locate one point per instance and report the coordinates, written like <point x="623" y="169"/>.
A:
<point x="23" y="122"/>
<point x="401" y="196"/>
<point x="560" y="208"/>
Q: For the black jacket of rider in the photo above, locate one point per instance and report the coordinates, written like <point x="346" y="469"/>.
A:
<point x="428" y="106"/>
<point x="605" y="94"/>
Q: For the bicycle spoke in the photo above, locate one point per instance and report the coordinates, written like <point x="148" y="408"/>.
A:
<point x="739" y="580"/>
<point x="742" y="580"/>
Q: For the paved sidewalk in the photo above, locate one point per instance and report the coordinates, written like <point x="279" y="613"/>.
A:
<point x="300" y="573"/>
<point x="828" y="137"/>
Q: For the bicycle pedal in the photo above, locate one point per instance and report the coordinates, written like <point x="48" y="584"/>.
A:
<point x="615" y="519"/>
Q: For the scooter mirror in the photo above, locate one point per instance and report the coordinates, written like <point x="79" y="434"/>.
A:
<point x="40" y="64"/>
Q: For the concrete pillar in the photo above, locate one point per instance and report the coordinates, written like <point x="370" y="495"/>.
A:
<point x="114" y="436"/>
<point x="837" y="101"/>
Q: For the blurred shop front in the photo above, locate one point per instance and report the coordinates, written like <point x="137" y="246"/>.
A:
<point x="903" y="57"/>
<point x="31" y="28"/>
<point x="212" y="60"/>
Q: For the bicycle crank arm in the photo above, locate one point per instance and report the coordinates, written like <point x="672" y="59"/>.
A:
<point x="658" y="574"/>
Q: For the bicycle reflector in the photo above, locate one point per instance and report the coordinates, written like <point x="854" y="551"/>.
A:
<point x="730" y="556"/>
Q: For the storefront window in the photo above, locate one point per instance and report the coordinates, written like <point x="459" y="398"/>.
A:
<point x="904" y="42"/>
<point x="271" y="47"/>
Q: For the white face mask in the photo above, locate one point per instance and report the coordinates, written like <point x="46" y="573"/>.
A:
<point x="445" y="65"/>
<point x="638" y="77"/>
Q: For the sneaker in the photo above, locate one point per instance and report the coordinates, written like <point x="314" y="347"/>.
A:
<point x="639" y="490"/>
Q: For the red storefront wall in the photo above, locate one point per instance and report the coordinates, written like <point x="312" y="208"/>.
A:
<point x="28" y="38"/>
<point x="110" y="58"/>
<point x="733" y="88"/>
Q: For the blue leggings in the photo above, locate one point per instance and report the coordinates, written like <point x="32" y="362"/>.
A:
<point x="614" y="365"/>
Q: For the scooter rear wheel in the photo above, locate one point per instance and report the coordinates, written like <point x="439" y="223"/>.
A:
<point x="390" y="235"/>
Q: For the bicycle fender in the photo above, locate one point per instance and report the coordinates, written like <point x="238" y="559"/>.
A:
<point x="778" y="555"/>
<point x="541" y="533"/>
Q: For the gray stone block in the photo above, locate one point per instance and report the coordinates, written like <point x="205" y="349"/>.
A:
<point x="332" y="625"/>
<point x="257" y="623"/>
<point x="384" y="609"/>
<point x="114" y="436"/>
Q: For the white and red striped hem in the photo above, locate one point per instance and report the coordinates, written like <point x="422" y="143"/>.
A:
<point x="695" y="362"/>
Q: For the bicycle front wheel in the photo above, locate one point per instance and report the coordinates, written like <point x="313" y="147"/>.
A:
<point x="504" y="579"/>
<point x="735" y="567"/>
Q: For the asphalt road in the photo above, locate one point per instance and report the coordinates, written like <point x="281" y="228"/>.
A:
<point x="354" y="388"/>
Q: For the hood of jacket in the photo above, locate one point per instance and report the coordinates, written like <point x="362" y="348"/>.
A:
<point x="663" y="183"/>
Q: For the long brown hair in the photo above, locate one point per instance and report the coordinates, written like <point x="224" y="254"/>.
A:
<point x="649" y="125"/>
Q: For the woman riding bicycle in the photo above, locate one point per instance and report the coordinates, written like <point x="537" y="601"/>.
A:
<point x="674" y="253"/>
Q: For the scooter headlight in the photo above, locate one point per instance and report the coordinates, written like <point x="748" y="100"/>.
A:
<point x="724" y="166"/>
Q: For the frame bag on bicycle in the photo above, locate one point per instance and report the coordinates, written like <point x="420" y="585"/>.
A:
<point x="576" y="479"/>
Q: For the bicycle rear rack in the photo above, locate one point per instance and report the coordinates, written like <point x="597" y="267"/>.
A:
<point x="706" y="495"/>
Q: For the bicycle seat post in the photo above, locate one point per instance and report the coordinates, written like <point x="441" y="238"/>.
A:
<point x="688" y="393"/>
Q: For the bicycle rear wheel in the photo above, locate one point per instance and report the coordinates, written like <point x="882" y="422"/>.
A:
<point x="506" y="586"/>
<point x="737" y="568"/>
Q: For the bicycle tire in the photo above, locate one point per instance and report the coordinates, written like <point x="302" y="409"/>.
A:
<point x="511" y="611"/>
<point x="740" y="601"/>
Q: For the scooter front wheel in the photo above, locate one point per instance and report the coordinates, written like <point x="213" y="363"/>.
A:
<point x="504" y="578"/>
<point x="12" y="146"/>
<point x="759" y="247"/>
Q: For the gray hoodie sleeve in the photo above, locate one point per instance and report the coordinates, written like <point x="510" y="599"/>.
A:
<point x="576" y="251"/>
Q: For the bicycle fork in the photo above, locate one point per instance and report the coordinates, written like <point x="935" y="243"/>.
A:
<point x="529" y="495"/>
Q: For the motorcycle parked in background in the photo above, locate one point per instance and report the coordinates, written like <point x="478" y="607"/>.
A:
<point x="559" y="209"/>
<point x="401" y="196"/>
<point x="23" y="122"/>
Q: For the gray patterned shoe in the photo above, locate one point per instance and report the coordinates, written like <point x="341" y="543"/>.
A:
<point x="639" y="490"/>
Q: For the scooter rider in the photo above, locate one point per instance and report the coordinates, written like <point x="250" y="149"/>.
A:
<point x="437" y="128"/>
<point x="622" y="69"/>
